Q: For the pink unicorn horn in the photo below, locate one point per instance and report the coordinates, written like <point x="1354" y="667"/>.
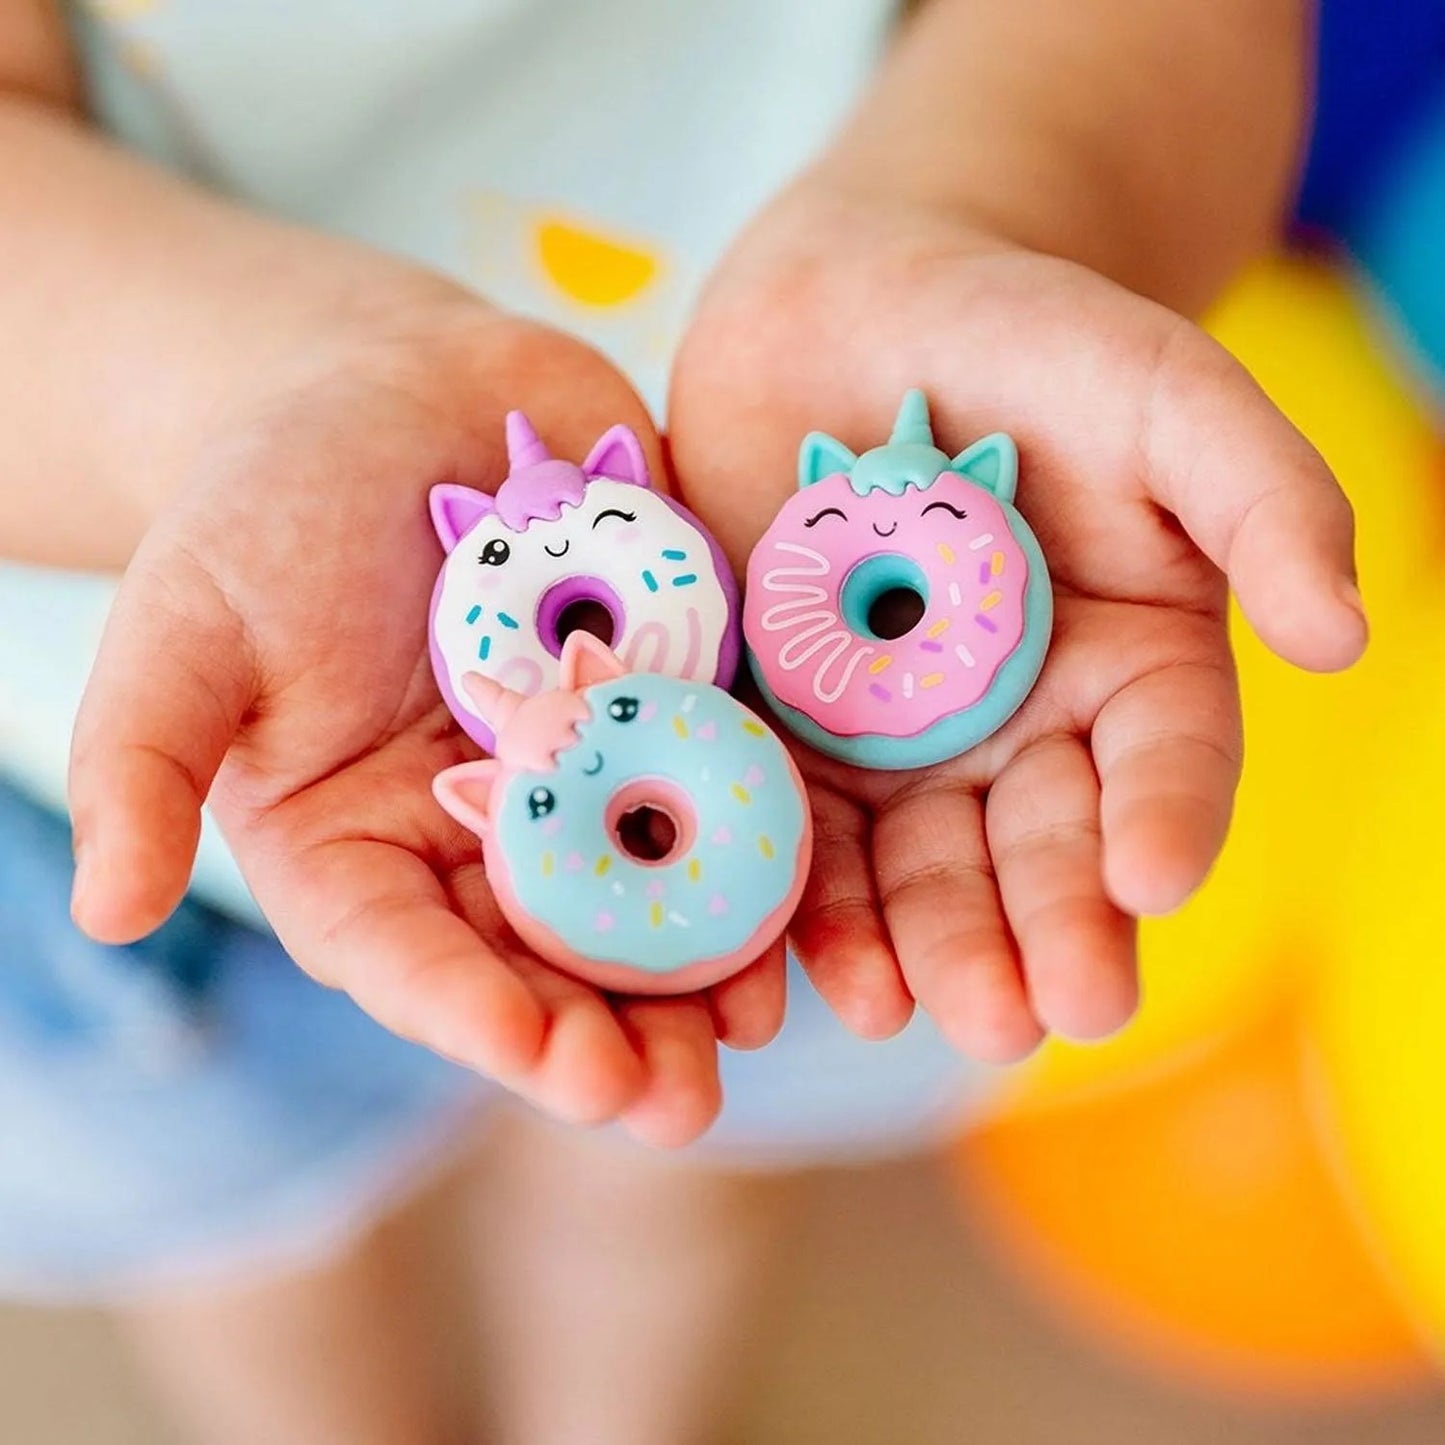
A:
<point x="524" y="446"/>
<point x="493" y="702"/>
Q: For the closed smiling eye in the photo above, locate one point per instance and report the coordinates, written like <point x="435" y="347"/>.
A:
<point x="826" y="512"/>
<point x="613" y="512"/>
<point x="947" y="507"/>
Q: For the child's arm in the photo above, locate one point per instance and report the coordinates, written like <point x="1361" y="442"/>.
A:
<point x="1012" y="155"/>
<point x="1158" y="144"/>
<point x="250" y="415"/>
<point x="136" y="310"/>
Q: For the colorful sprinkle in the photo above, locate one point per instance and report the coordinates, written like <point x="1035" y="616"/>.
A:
<point x="656" y="888"/>
<point x="485" y="650"/>
<point x="880" y="692"/>
<point x="604" y="921"/>
<point x="765" y="847"/>
<point x="679" y="725"/>
<point x="508" y="621"/>
<point x="947" y="553"/>
<point x="939" y="627"/>
<point x="931" y="679"/>
<point x="707" y="732"/>
<point x="751" y="725"/>
<point x="688" y="703"/>
<point x="618" y="889"/>
<point x="694" y="869"/>
<point x="472" y="616"/>
<point x="678" y="919"/>
<point x="879" y="664"/>
<point x="722" y="835"/>
<point x="741" y="793"/>
<point x="671" y="554"/>
<point x="547" y="862"/>
<point x="907" y="684"/>
<point x="986" y="623"/>
<point x="573" y="862"/>
<point x="991" y="601"/>
<point x="964" y="656"/>
<point x="931" y="646"/>
<point x="648" y="712"/>
<point x="650" y="580"/>
<point x="717" y="904"/>
<point x="996" y="564"/>
<point x="552" y="826"/>
<point x="754" y="777"/>
<point x="980" y="542"/>
<point x="656" y="913"/>
<point x="955" y="594"/>
<point x="985" y="572"/>
<point x="684" y="579"/>
<point x="603" y="864"/>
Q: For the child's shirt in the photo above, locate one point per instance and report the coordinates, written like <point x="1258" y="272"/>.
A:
<point x="581" y="161"/>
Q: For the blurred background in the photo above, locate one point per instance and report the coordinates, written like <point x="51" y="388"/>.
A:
<point x="1225" y="1224"/>
<point x="1229" y="1223"/>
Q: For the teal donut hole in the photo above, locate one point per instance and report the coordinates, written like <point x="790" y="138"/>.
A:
<point x="884" y="596"/>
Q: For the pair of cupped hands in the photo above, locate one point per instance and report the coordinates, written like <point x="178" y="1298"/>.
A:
<point x="267" y="650"/>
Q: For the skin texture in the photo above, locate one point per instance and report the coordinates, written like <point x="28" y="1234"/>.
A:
<point x="246" y="658"/>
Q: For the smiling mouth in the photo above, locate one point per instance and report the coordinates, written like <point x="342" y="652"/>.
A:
<point x="568" y="543"/>
<point x="592" y="772"/>
<point x="881" y="532"/>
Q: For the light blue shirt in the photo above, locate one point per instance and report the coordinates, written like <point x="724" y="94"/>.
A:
<point x="582" y="161"/>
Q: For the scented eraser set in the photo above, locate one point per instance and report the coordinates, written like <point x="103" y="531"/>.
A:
<point x="640" y="827"/>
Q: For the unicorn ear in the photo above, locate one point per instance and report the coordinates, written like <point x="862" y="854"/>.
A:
<point x="618" y="455"/>
<point x="821" y="456"/>
<point x="465" y="791"/>
<point x="455" y="510"/>
<point x="992" y="462"/>
<point x="587" y="660"/>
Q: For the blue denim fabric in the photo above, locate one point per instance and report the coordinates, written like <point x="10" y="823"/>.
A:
<point x="194" y="1104"/>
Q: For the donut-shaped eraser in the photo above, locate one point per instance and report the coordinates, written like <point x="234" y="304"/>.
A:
<point x="644" y="832"/>
<point x="898" y="608"/>
<point x="561" y="547"/>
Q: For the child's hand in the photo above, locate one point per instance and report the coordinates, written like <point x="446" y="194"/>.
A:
<point x="1000" y="890"/>
<point x="271" y="634"/>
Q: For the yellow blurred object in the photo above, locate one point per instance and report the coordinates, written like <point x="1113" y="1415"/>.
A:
<point x="1248" y="1184"/>
<point x="1304" y="334"/>
<point x="591" y="268"/>
<point x="1193" y="1222"/>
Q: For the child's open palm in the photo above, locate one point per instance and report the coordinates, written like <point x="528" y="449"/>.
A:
<point x="1000" y="890"/>
<point x="270" y="634"/>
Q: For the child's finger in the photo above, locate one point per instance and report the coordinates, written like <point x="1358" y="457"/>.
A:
<point x="747" y="1009"/>
<point x="947" y="924"/>
<point x="1258" y="499"/>
<point x="1169" y="750"/>
<point x="678" y="1046"/>
<point x="838" y="931"/>
<point x="371" y="918"/>
<point x="167" y="694"/>
<point x="1077" y="947"/>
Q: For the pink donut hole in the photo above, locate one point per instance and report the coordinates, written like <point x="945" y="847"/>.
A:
<point x="652" y="821"/>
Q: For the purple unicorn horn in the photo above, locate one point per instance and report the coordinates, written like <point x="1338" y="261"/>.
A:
<point x="524" y="446"/>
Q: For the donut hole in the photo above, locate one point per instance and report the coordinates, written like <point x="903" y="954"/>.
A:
<point x="646" y="834"/>
<point x="884" y="597"/>
<point x="586" y="614"/>
<point x="895" y="612"/>
<point x="579" y="604"/>
<point x="651" y="821"/>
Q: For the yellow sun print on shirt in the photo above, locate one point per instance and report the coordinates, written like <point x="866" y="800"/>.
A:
<point x="591" y="268"/>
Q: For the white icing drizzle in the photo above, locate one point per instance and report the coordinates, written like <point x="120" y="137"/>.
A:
<point x="816" y="628"/>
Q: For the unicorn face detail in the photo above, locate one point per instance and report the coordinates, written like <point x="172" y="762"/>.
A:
<point x="641" y="830"/>
<point x="563" y="547"/>
<point x="898" y="608"/>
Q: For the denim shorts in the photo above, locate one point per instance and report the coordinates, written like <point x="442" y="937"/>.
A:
<point x="194" y="1105"/>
